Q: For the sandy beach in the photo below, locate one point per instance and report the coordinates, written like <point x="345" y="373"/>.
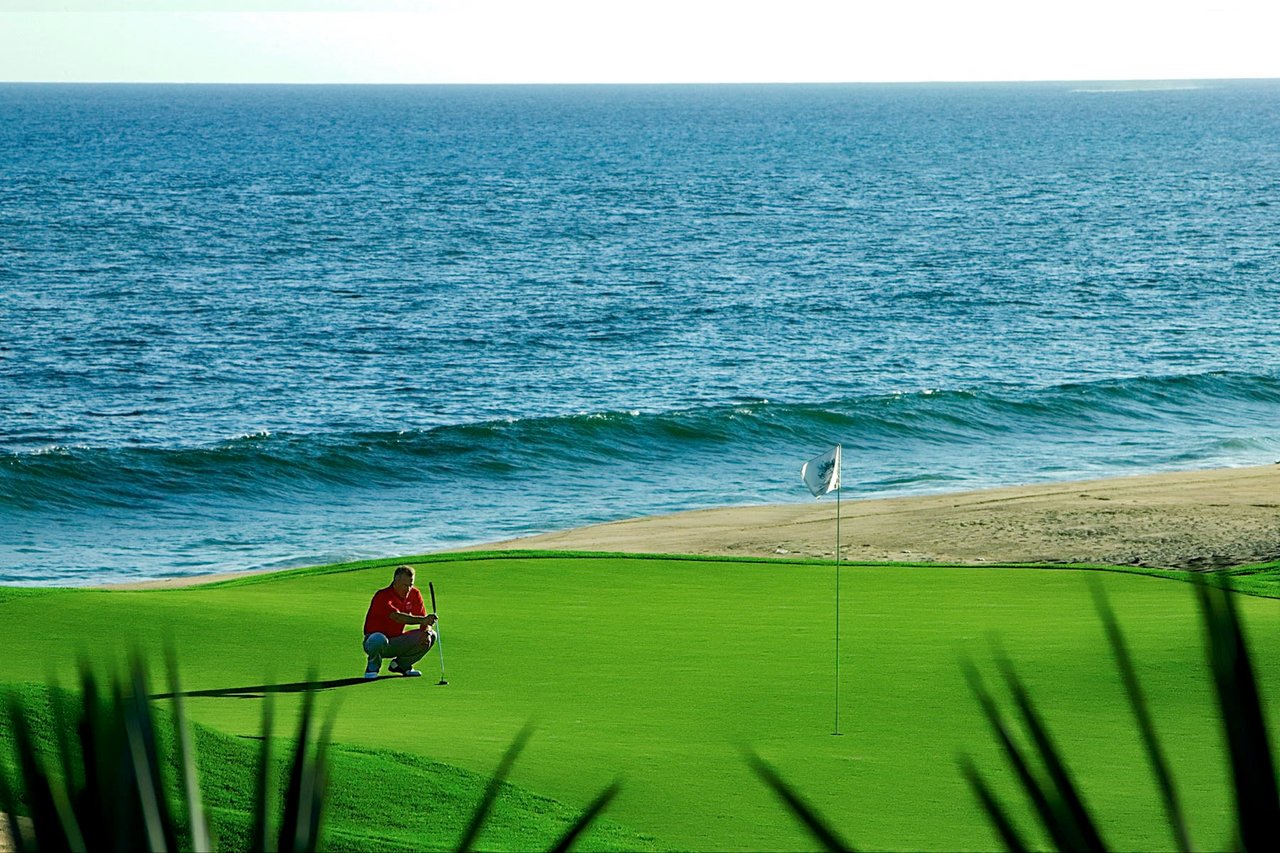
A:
<point x="1184" y="520"/>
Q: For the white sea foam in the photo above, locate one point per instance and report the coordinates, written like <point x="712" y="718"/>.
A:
<point x="1154" y="86"/>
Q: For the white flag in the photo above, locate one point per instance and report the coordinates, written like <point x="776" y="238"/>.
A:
<point x="822" y="473"/>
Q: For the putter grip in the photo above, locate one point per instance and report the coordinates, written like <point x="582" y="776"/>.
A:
<point x="432" y="588"/>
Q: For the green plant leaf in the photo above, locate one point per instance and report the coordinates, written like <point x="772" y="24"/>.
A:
<point x="199" y="826"/>
<point x="140" y="735"/>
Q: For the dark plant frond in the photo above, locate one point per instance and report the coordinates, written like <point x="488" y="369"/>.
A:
<point x="586" y="818"/>
<point x="161" y="831"/>
<point x="9" y="805"/>
<point x="121" y="808"/>
<point x="122" y="798"/>
<point x="62" y="728"/>
<point x="1240" y="707"/>
<point x="1146" y="729"/>
<point x="481" y="813"/>
<point x="818" y="826"/>
<point x="995" y="812"/>
<point x="54" y="825"/>
<point x="1048" y="807"/>
<point x="186" y="758"/>
<point x="89" y="800"/>
<point x="320" y="786"/>
<point x="259" y="826"/>
<point x="1076" y="816"/>
<point x="301" y="823"/>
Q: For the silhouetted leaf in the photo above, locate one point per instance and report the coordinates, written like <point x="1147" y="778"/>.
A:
<point x="1076" y="816"/>
<point x="259" y="826"/>
<point x="9" y="805"/>
<point x="1047" y="807"/>
<point x="491" y="791"/>
<point x="806" y="814"/>
<point x="1138" y="702"/>
<point x="995" y="813"/>
<point x="586" y="818"/>
<point x="295" y="826"/>
<point x="53" y="824"/>
<point x="1252" y="768"/>
<point x="199" y="827"/>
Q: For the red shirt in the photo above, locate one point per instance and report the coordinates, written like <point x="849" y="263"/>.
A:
<point x="384" y="603"/>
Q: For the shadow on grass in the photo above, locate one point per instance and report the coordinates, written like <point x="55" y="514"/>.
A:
<point x="257" y="691"/>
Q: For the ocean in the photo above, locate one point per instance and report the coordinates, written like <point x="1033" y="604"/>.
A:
<point x="246" y="327"/>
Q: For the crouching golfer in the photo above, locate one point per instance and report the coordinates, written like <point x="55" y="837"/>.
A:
<point x="385" y="636"/>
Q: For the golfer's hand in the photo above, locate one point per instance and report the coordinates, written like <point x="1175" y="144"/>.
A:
<point x="431" y="620"/>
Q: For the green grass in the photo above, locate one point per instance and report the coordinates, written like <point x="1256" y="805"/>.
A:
<point x="369" y="790"/>
<point x="661" y="671"/>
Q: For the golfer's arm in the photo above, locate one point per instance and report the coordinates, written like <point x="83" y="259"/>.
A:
<point x="407" y="618"/>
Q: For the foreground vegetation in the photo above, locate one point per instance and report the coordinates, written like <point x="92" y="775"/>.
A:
<point x="661" y="671"/>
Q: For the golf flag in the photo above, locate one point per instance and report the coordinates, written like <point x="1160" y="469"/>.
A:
<point x="822" y="473"/>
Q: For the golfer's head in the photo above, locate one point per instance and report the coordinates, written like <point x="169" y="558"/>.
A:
<point x="403" y="580"/>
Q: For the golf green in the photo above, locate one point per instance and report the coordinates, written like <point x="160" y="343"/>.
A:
<point x="663" y="672"/>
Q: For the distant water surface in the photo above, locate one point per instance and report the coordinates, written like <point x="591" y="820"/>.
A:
<point x="247" y="327"/>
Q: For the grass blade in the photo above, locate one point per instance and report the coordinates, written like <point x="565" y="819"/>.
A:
<point x="995" y="812"/>
<point x="186" y="759"/>
<point x="491" y="791"/>
<point x="806" y="814"/>
<point x="1077" y="816"/>
<point x="586" y="818"/>
<point x="1252" y="767"/>
<point x="1138" y="702"/>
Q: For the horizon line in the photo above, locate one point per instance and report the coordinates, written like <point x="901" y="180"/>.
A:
<point x="1154" y="81"/>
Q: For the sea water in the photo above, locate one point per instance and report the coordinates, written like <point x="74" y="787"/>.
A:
<point x="267" y="326"/>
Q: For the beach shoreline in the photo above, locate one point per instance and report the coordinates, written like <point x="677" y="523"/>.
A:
<point x="1190" y="520"/>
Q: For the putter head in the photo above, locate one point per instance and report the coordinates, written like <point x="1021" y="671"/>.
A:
<point x="441" y="682"/>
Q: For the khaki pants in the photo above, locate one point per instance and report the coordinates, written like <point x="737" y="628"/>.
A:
<point x="407" y="649"/>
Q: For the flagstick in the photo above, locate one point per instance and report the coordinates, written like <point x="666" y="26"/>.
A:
<point x="837" y="731"/>
<point x="823" y="479"/>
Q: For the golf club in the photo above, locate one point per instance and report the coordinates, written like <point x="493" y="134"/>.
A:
<point x="439" y="644"/>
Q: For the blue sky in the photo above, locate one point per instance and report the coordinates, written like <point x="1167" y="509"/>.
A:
<point x="615" y="41"/>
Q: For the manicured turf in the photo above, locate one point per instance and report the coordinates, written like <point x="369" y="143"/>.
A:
<point x="661" y="672"/>
<point x="367" y="787"/>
